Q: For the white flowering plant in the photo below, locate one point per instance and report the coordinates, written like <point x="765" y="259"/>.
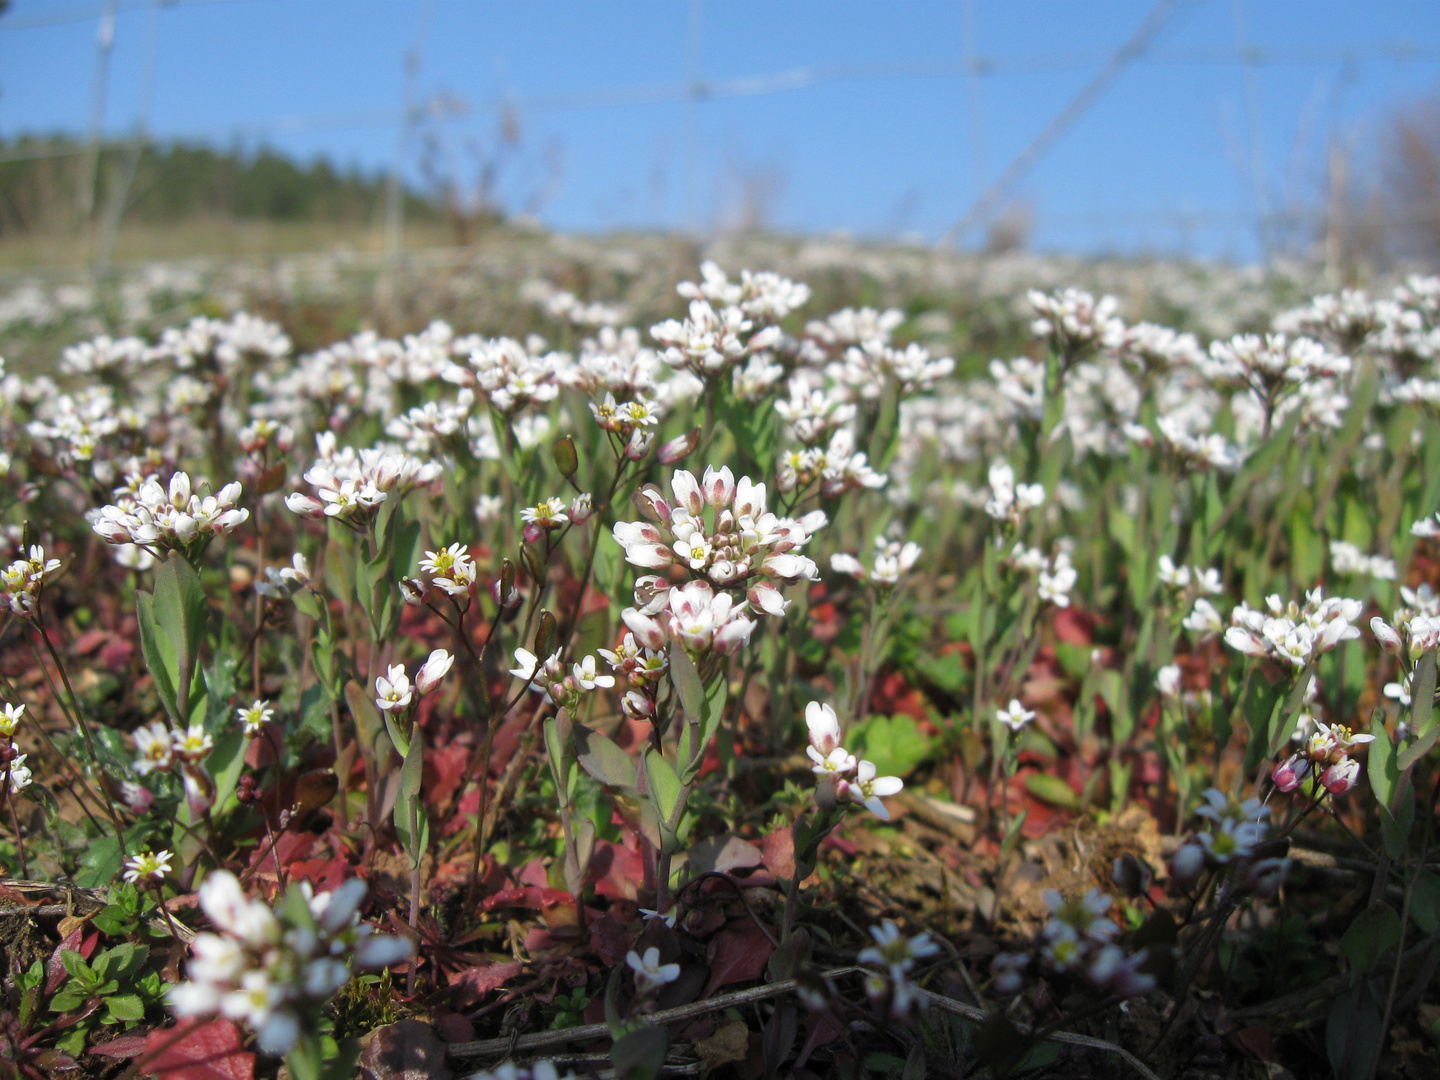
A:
<point x="770" y="624"/>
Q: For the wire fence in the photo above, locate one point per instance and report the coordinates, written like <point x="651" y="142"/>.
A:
<point x="695" y="90"/>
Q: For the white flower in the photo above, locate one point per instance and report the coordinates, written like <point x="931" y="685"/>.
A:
<point x="436" y="665"/>
<point x="20" y="776"/>
<point x="1167" y="681"/>
<point x="9" y="717"/>
<point x="837" y="762"/>
<point x="1015" y="716"/>
<point x="868" y="789"/>
<point x="1204" y="620"/>
<point x="588" y="678"/>
<point x="824" y="728"/>
<point x="650" y="974"/>
<point x="255" y="717"/>
<point x="147" y="866"/>
<point x="392" y="690"/>
<point x="154" y="747"/>
<point x="547" y="514"/>
<point x="193" y="743"/>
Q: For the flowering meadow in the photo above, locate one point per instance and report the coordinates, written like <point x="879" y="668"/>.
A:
<point x="740" y="678"/>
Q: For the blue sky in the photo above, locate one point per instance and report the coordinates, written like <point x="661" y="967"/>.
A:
<point x="884" y="137"/>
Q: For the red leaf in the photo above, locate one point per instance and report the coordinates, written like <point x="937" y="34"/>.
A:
<point x="779" y="849"/>
<point x="203" y="1051"/>
<point x="610" y="940"/>
<point x="126" y="1046"/>
<point x="737" y="953"/>
<point x="527" y="896"/>
<point x="474" y="983"/>
<point x="445" y="769"/>
<point x="326" y="875"/>
<point x="617" y="871"/>
<point x="75" y="941"/>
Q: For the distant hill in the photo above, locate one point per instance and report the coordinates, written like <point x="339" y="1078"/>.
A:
<point x="176" y="182"/>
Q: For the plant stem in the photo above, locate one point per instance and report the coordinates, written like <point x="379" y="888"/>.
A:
<point x="79" y="721"/>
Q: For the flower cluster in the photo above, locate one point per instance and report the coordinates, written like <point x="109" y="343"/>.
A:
<point x="276" y="970"/>
<point x="160" y="748"/>
<point x="1416" y="632"/>
<point x="1056" y="575"/>
<point x="843" y="776"/>
<point x="744" y="546"/>
<point x="1326" y="751"/>
<point x="1349" y="560"/>
<point x="837" y="468"/>
<point x="1236" y="830"/>
<point x="1080" y="936"/>
<point x="24" y="581"/>
<point x="1189" y="580"/>
<point x="1075" y="322"/>
<point x="891" y="961"/>
<point x="564" y="689"/>
<point x="452" y="570"/>
<point x="643" y="669"/>
<point x="393" y="690"/>
<point x="1010" y="501"/>
<point x="1293" y="633"/>
<point x="892" y="561"/>
<point x="16" y="773"/>
<point x="151" y="515"/>
<point x="352" y="484"/>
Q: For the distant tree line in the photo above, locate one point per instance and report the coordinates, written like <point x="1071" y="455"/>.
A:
<point x="179" y="181"/>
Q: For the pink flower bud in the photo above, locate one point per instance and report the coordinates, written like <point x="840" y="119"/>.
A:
<point x="678" y="448"/>
<point x="1187" y="863"/>
<point x="1341" y="777"/>
<point x="652" y="504"/>
<point x="510" y="600"/>
<point x="637" y="706"/>
<point x="1265" y="877"/>
<point x="1386" y="635"/>
<point x="429" y="676"/>
<point x="1288" y="774"/>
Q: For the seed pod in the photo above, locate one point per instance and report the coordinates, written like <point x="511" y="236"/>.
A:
<point x="545" y="635"/>
<point x="566" y="460"/>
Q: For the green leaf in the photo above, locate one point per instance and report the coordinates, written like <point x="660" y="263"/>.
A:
<point x="895" y="744"/>
<point x="686" y="678"/>
<point x="1053" y="790"/>
<point x="67" y="1000"/>
<point x="99" y="863"/>
<point x="368" y="723"/>
<point x="555" y="731"/>
<point x="640" y="1055"/>
<point x="159" y="657"/>
<point x="75" y="966"/>
<point x="1425" y="901"/>
<point x="605" y="761"/>
<point x="1375" y="930"/>
<point x="124" y="1007"/>
<point x="411" y="824"/>
<point x="226" y="762"/>
<point x="664" y="786"/>
<point x="1381" y="768"/>
<point x="181" y="613"/>
<point x="1422" y="713"/>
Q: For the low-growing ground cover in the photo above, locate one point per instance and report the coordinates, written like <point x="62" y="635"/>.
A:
<point x="753" y="691"/>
